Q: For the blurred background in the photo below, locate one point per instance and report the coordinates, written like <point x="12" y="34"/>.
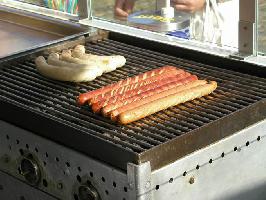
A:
<point x="104" y="9"/>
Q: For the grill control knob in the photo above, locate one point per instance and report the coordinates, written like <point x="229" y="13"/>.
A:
<point x="30" y="169"/>
<point x="88" y="192"/>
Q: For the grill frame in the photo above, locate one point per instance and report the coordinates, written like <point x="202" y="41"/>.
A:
<point x="115" y="155"/>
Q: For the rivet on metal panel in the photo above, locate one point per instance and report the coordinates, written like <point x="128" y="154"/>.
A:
<point x="131" y="185"/>
<point x="246" y="41"/>
<point x="148" y="184"/>
<point x="60" y="186"/>
<point x="191" y="180"/>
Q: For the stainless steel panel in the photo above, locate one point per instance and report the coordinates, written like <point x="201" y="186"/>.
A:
<point x="62" y="170"/>
<point x="232" y="169"/>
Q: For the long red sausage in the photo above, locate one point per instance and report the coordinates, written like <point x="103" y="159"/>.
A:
<point x="130" y="87"/>
<point x="96" y="107"/>
<point x="83" y="98"/>
<point x="107" y="109"/>
<point x="152" y="95"/>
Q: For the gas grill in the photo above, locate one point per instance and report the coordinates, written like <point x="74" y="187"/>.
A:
<point x="51" y="148"/>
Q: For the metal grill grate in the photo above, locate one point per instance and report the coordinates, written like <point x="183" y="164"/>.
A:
<point x="21" y="84"/>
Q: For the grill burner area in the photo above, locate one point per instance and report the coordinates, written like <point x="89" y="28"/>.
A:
<point x="49" y="108"/>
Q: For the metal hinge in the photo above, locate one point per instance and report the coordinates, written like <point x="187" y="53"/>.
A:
<point x="247" y="27"/>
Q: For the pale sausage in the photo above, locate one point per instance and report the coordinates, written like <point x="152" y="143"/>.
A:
<point x="109" y="63"/>
<point x="64" y="73"/>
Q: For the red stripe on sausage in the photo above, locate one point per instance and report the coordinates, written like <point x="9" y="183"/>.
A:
<point x="83" y="98"/>
<point x="122" y="90"/>
<point x="111" y="102"/>
<point x="136" y="100"/>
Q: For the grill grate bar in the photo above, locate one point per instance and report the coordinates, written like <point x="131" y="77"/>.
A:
<point x="214" y="110"/>
<point x="217" y="105"/>
<point x="138" y="128"/>
<point x="225" y="103"/>
<point x="182" y="125"/>
<point x="158" y="121"/>
<point x="179" y="116"/>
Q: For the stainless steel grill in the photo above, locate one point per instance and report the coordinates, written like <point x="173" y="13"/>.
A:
<point x="49" y="108"/>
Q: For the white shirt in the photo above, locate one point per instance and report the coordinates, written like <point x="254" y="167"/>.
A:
<point x="217" y="23"/>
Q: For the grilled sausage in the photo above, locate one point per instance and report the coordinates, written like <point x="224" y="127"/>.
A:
<point x="80" y="48"/>
<point x="64" y="73"/>
<point x="154" y="97"/>
<point x="53" y="59"/>
<point x="164" y="87"/>
<point x="67" y="56"/>
<point x="83" y="98"/>
<point x="127" y="88"/>
<point x="166" y="102"/>
<point x="109" y="63"/>
<point x="96" y="107"/>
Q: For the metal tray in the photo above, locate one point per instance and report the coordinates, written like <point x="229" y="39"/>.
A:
<point x="20" y="33"/>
